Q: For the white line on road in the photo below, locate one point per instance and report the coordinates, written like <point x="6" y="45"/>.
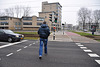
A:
<point x="25" y="47"/>
<point x="0" y="58"/>
<point x="83" y="47"/>
<point x="80" y="45"/>
<point x="33" y="43"/>
<point x="9" y="54"/>
<point x="30" y="45"/>
<point x="87" y="50"/>
<point x="19" y="50"/>
<point x="98" y="61"/>
<point x="93" y="55"/>
<point x="10" y="44"/>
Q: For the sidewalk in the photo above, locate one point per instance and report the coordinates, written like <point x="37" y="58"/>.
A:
<point x="60" y="37"/>
<point x="70" y="37"/>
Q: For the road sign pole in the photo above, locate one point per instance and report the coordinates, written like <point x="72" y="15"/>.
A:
<point x="54" y="33"/>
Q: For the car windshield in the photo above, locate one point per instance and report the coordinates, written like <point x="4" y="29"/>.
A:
<point x="8" y="31"/>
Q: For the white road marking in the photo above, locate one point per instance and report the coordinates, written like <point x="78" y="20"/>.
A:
<point x="0" y="58"/>
<point x="33" y="43"/>
<point x="10" y="44"/>
<point x="83" y="47"/>
<point x="19" y="50"/>
<point x="25" y="47"/>
<point x="9" y="54"/>
<point x="88" y="50"/>
<point x="98" y="61"/>
<point x="80" y="45"/>
<point x="93" y="55"/>
<point x="30" y="45"/>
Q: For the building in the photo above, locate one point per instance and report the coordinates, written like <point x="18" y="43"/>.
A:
<point x="24" y="23"/>
<point x="31" y="23"/>
<point x="12" y="23"/>
<point x="52" y="10"/>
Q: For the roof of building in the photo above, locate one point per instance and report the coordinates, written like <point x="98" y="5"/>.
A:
<point x="47" y="12"/>
<point x="53" y="3"/>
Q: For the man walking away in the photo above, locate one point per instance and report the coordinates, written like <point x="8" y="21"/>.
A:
<point x="43" y="32"/>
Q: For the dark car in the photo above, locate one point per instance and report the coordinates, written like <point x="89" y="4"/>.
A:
<point x="10" y="36"/>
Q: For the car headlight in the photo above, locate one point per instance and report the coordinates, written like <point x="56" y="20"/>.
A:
<point x="17" y="36"/>
<point x="22" y="35"/>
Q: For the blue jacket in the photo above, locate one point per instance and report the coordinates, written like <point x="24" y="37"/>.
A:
<point x="44" y="31"/>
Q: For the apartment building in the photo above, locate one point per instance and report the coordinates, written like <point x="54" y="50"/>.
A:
<point x="31" y="23"/>
<point x="12" y="23"/>
<point x="53" y="9"/>
<point x="24" y="23"/>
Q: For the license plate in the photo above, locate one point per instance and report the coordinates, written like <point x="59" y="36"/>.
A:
<point x="21" y="38"/>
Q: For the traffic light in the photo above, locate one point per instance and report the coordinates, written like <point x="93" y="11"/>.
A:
<point x="50" y="18"/>
<point x="55" y="20"/>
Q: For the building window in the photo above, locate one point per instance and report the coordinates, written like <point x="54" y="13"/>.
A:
<point x="40" y="19"/>
<point x="27" y="23"/>
<point x="39" y="23"/>
<point x="3" y="23"/>
<point x="27" y="18"/>
<point x="19" y="23"/>
<point x="15" y="23"/>
<point x="3" y="18"/>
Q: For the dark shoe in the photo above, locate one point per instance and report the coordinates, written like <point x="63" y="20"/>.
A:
<point x="40" y="57"/>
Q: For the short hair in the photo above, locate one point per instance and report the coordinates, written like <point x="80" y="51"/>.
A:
<point x="44" y="22"/>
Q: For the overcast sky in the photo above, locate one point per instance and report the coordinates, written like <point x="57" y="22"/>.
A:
<point x="69" y="7"/>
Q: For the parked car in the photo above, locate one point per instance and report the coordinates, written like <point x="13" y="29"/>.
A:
<point x="10" y="36"/>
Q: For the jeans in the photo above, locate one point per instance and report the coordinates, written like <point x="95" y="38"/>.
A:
<point x="43" y="41"/>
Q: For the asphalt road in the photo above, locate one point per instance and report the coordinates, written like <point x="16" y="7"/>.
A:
<point x="60" y="54"/>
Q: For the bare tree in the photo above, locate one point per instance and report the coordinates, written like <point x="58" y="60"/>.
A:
<point x="7" y="12"/>
<point x="11" y="10"/>
<point x="17" y="10"/>
<point x="82" y="16"/>
<point x="89" y="18"/>
<point x="26" y="11"/>
<point x="96" y="15"/>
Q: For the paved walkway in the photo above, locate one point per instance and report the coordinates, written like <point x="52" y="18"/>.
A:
<point x="70" y="37"/>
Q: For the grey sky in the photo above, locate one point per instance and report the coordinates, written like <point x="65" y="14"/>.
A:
<point x="69" y="7"/>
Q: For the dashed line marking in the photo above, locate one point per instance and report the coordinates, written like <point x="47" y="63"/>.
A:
<point x="87" y="50"/>
<point x="83" y="47"/>
<point x="19" y="50"/>
<point x="25" y="47"/>
<point x="93" y="55"/>
<point x="9" y="54"/>
<point x="33" y="43"/>
<point x="30" y="45"/>
<point x="0" y="58"/>
<point x="80" y="45"/>
<point x="98" y="61"/>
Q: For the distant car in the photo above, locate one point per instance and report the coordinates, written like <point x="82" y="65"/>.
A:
<point x="10" y="36"/>
<point x="85" y="30"/>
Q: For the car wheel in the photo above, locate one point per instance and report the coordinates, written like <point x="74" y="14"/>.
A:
<point x="10" y="39"/>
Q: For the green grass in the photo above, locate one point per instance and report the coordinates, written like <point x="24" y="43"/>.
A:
<point x="31" y="38"/>
<point x="26" y="32"/>
<point x="98" y="40"/>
